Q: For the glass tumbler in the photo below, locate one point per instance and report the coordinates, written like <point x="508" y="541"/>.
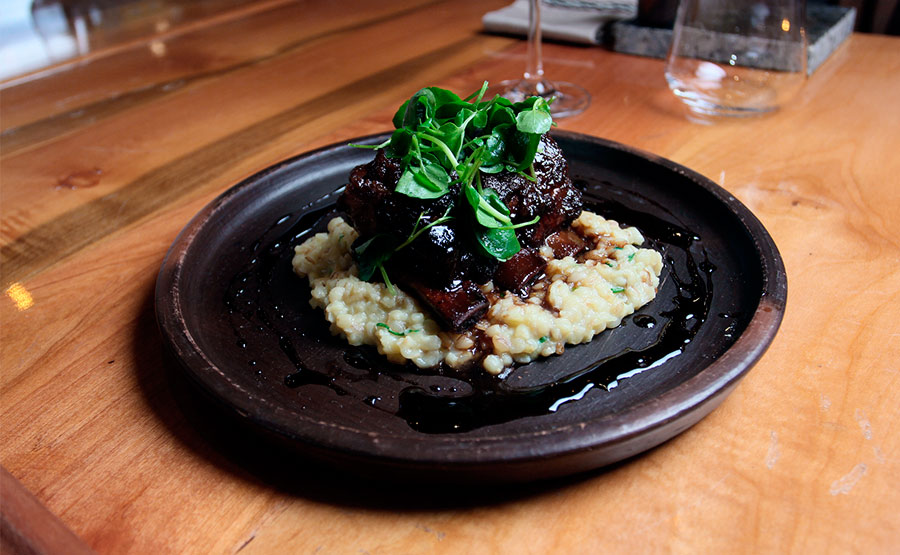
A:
<point x="737" y="57"/>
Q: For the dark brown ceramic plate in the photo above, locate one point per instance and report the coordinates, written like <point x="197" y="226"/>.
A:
<point x="238" y="321"/>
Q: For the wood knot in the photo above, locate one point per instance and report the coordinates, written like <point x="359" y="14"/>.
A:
<point x="81" y="179"/>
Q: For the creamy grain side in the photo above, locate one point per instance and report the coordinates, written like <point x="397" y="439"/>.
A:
<point x="573" y="302"/>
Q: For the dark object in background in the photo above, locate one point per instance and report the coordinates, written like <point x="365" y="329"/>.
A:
<point x="826" y="28"/>
<point x="874" y="16"/>
<point x="657" y="13"/>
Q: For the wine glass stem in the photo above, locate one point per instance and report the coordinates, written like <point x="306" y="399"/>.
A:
<point x="534" y="66"/>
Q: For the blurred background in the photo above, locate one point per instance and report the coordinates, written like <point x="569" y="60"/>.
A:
<point x="36" y="35"/>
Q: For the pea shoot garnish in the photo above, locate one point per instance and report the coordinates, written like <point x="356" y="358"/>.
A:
<point x="373" y="253"/>
<point x="443" y="140"/>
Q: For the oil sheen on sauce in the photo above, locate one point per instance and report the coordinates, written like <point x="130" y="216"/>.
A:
<point x="487" y="400"/>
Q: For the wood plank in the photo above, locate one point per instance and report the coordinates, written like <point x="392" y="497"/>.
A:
<point x="46" y="108"/>
<point x="100" y="30"/>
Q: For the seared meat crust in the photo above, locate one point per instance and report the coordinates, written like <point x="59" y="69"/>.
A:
<point x="552" y="196"/>
<point x="373" y="206"/>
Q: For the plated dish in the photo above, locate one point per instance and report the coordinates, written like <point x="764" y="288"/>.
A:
<point x="239" y="322"/>
<point x="464" y="244"/>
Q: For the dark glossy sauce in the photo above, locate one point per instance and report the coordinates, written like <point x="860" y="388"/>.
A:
<point x="644" y="321"/>
<point x="488" y="400"/>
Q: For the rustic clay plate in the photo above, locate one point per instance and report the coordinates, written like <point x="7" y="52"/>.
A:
<point x="238" y="321"/>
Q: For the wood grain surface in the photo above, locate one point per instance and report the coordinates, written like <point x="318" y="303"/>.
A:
<point x="102" y="162"/>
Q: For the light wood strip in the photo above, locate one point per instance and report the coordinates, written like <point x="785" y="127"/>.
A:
<point x="155" y="22"/>
<point x="112" y="86"/>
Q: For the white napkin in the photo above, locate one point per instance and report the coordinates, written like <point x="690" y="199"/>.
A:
<point x="565" y="20"/>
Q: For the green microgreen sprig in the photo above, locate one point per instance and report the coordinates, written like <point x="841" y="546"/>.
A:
<point x="392" y="332"/>
<point x="375" y="252"/>
<point x="442" y="140"/>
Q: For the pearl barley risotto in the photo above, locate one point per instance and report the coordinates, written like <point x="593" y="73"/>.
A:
<point x="574" y="301"/>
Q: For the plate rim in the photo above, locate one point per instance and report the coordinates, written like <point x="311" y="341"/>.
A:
<point x="639" y="427"/>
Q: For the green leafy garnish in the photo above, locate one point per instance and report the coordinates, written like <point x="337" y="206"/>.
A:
<point x="376" y="250"/>
<point x="489" y="209"/>
<point x="618" y="289"/>
<point x="372" y="254"/>
<point x="442" y="140"/>
<point x="429" y="181"/>
<point x="502" y="244"/>
<point x="437" y="126"/>
<point x="536" y="119"/>
<point x="416" y="231"/>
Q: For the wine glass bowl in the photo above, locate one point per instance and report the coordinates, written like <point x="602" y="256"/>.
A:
<point x="737" y="57"/>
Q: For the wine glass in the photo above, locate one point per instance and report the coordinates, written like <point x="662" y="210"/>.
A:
<point x="737" y="57"/>
<point x="568" y="99"/>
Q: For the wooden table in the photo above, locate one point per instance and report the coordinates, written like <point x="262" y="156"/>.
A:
<point x="106" y="158"/>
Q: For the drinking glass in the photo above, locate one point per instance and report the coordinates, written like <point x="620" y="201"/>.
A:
<point x="737" y="57"/>
<point x="568" y="99"/>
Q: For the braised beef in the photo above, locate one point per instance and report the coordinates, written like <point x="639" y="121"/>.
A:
<point x="440" y="256"/>
<point x="566" y="242"/>
<point x="519" y="272"/>
<point x="445" y="264"/>
<point x="458" y="306"/>
<point x="551" y="196"/>
<point x="373" y="207"/>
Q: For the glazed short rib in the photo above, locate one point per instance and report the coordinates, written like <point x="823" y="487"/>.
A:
<point x="445" y="266"/>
